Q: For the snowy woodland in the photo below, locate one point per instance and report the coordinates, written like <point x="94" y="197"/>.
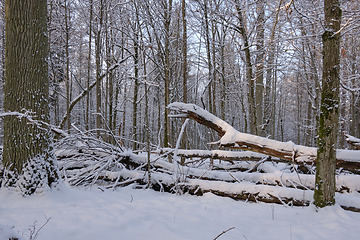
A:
<point x="179" y="119"/>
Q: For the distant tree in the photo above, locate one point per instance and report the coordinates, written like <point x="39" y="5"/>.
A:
<point x="28" y="155"/>
<point x="329" y="109"/>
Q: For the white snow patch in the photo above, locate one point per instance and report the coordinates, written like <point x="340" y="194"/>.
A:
<point x="144" y="214"/>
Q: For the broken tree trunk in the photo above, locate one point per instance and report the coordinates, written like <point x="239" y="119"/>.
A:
<point x="231" y="138"/>
<point x="353" y="141"/>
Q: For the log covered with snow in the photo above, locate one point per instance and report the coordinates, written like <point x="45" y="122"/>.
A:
<point x="231" y="138"/>
<point x="353" y="141"/>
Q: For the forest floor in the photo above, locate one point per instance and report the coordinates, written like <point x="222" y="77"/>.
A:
<point x="127" y="213"/>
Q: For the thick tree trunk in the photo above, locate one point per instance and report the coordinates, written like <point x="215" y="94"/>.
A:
<point x="324" y="194"/>
<point x="28" y="154"/>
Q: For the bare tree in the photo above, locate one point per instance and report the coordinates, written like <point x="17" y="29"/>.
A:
<point x="329" y="111"/>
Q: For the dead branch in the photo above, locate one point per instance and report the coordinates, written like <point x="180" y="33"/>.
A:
<point x="353" y="141"/>
<point x="231" y="138"/>
<point x="224" y="232"/>
<point x="86" y="91"/>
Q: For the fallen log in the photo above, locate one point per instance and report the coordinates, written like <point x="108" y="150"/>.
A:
<point x="215" y="154"/>
<point x="108" y="168"/>
<point x="353" y="141"/>
<point x="231" y="138"/>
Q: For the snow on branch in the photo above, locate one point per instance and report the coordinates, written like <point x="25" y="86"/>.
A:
<point x="87" y="90"/>
<point x="231" y="138"/>
<point x="353" y="141"/>
<point x="31" y="118"/>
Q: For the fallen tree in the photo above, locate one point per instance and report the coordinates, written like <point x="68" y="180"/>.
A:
<point x="353" y="141"/>
<point x="87" y="161"/>
<point x="231" y="138"/>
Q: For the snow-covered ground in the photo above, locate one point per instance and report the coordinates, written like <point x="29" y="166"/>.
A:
<point x="126" y="213"/>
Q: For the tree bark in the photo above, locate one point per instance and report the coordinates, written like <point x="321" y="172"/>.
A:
<point x="167" y="21"/>
<point x="87" y="111"/>
<point x="249" y="72"/>
<point x="28" y="155"/>
<point x="184" y="69"/>
<point x="98" y="70"/>
<point x="67" y="63"/>
<point x="259" y="71"/>
<point x="324" y="194"/>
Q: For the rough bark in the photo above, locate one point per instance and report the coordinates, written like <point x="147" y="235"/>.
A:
<point x="324" y="194"/>
<point x="28" y="154"/>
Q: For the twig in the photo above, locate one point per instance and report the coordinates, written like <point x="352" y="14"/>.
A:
<point x="224" y="232"/>
<point x="33" y="233"/>
<point x="261" y="161"/>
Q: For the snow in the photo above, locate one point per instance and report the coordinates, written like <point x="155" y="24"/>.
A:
<point x="232" y="136"/>
<point x="127" y="213"/>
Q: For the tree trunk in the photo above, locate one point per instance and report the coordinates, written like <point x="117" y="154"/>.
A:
<point x="67" y="80"/>
<point x="136" y="89"/>
<point x="329" y="110"/>
<point x="259" y="74"/>
<point x="98" y="71"/>
<point x="249" y="74"/>
<point x="167" y="21"/>
<point x="28" y="155"/>
<point x="87" y="112"/>
<point x="184" y="70"/>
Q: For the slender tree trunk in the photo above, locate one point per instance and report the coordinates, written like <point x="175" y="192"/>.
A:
<point x="329" y="110"/>
<point x="136" y="89"/>
<point x="98" y="70"/>
<point x="28" y="155"/>
<point x="259" y="71"/>
<point x="184" y="70"/>
<point x="67" y="60"/>
<point x="208" y="54"/>
<point x="167" y="21"/>
<point x="249" y="74"/>
<point x="87" y="112"/>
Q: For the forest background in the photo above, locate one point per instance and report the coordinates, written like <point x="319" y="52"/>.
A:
<point x="115" y="65"/>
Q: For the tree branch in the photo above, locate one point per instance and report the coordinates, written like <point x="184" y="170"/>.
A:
<point x="231" y="138"/>
<point x="86" y="91"/>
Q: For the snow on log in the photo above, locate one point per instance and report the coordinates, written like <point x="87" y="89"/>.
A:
<point x="355" y="142"/>
<point x="231" y="138"/>
<point x="215" y="154"/>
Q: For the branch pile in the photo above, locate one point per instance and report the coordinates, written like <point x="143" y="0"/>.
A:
<point x="88" y="161"/>
<point x="85" y="160"/>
